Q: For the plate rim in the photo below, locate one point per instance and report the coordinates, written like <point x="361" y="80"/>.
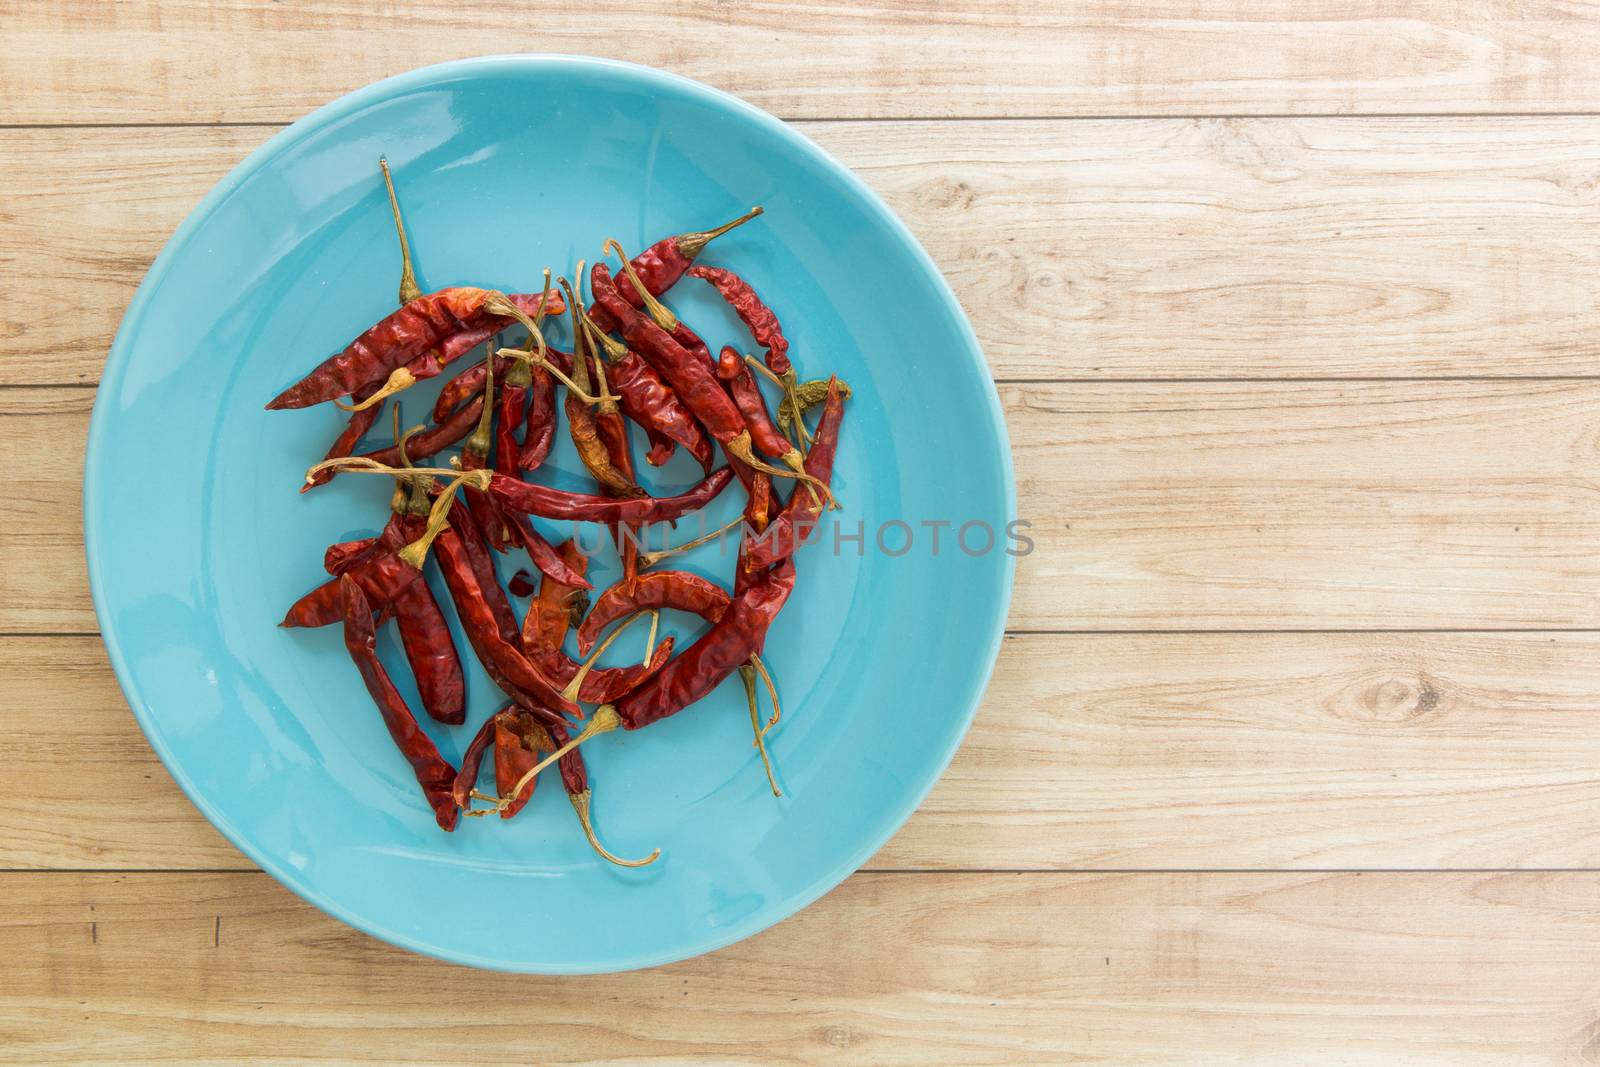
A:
<point x="114" y="370"/>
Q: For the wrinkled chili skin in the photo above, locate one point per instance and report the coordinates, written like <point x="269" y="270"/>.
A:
<point x="465" y="385"/>
<point x="338" y="557"/>
<point x="472" y="762"/>
<point x="740" y="633"/>
<point x="475" y="548"/>
<point x="421" y="446"/>
<point x="689" y="376"/>
<point x="427" y="322"/>
<point x="680" y="590"/>
<point x="511" y="403"/>
<point x="784" y="536"/>
<point x="757" y="317"/>
<point x="539" y="427"/>
<point x="646" y="399"/>
<point x="434" y="774"/>
<point x="558" y="604"/>
<point x="548" y="503"/>
<point x="659" y="267"/>
<point x="383" y="577"/>
<point x="491" y="522"/>
<point x="543" y="554"/>
<point x="504" y="661"/>
<point x="519" y="742"/>
<point x="741" y="384"/>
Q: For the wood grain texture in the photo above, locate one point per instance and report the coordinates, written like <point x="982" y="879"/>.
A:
<point x="977" y="969"/>
<point x="1210" y="248"/>
<point x="1110" y="752"/>
<point x="1210" y="506"/>
<point x="191" y="61"/>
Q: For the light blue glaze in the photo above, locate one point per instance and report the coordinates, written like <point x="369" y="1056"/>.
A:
<point x="197" y="539"/>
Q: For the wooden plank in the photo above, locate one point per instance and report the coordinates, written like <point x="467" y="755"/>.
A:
<point x="1119" y="249"/>
<point x="1215" y="506"/>
<point x="193" y="61"/>
<point x="1113" y="751"/>
<point x="1473" y="970"/>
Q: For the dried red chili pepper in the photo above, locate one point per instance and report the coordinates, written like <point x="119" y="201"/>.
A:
<point x="759" y="318"/>
<point x="731" y="641"/>
<point x="466" y="779"/>
<point x="581" y="421"/>
<point x="691" y="378"/>
<point x="337" y="557"/>
<point x="519" y="741"/>
<point x="434" y="774"/>
<point x="474" y="546"/>
<point x="466" y="385"/>
<point x="543" y="553"/>
<point x="799" y="517"/>
<point x="679" y="590"/>
<point x="548" y="503"/>
<point x="545" y="627"/>
<point x="539" y="427"/>
<point x="647" y="400"/>
<point x="424" y="324"/>
<point x="741" y="383"/>
<point x="661" y="265"/>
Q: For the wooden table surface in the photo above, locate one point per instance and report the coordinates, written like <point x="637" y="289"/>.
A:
<point x="1293" y="752"/>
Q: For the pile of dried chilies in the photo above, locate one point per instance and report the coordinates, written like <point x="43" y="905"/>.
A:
<point x="632" y="362"/>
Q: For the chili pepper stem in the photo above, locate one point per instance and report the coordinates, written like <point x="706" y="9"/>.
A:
<point x="580" y="804"/>
<point x="650" y="642"/>
<point x="740" y="449"/>
<point x="772" y="691"/>
<point x="604" y="720"/>
<point x="409" y="289"/>
<point x="747" y="675"/>
<point x="555" y="372"/>
<point x="614" y="348"/>
<point x="650" y="559"/>
<point x="571" y="691"/>
<point x="659" y="314"/>
<point x="416" y="552"/>
<point x="363" y="465"/>
<point x="692" y="244"/>
<point x="400" y="379"/>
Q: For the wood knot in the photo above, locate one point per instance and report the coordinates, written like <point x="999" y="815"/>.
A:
<point x="1398" y="700"/>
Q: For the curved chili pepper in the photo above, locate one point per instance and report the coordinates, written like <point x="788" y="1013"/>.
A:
<point x="466" y="779"/>
<point x="434" y="774"/>
<point x="759" y="318"/>
<point x="360" y="422"/>
<point x="663" y="263"/>
<point x="799" y="517"/>
<point x="719" y="652"/>
<point x="429" y="442"/>
<point x="549" y="503"/>
<point x="741" y="383"/>
<point x="680" y="590"/>
<point x="426" y="323"/>
<point x="382" y="576"/>
<point x="545" y="627"/>
<point x="730" y="643"/>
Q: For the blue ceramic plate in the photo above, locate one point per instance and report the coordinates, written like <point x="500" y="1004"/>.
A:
<point x="505" y="165"/>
